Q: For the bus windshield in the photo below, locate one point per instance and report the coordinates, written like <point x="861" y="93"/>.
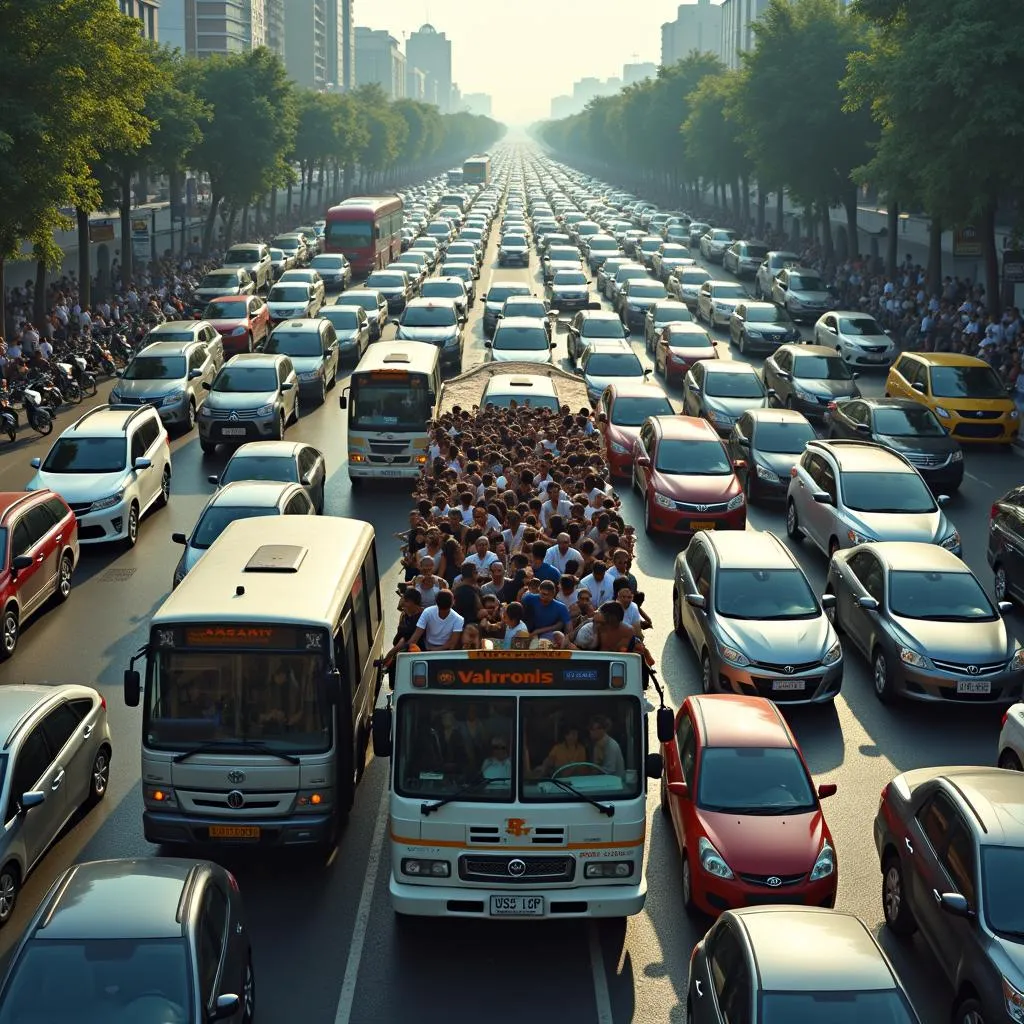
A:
<point x="349" y="234"/>
<point x="393" y="404"/>
<point x="275" y="699"/>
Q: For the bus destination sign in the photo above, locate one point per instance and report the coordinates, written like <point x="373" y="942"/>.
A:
<point x="250" y="637"/>
<point x="536" y="673"/>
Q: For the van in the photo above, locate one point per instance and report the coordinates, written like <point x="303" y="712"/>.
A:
<point x="536" y="392"/>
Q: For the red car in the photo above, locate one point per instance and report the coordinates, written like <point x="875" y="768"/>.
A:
<point x="621" y="411"/>
<point x="39" y="558"/>
<point x="686" y="477"/>
<point x="679" y="347"/>
<point x="744" y="809"/>
<point x="242" y="320"/>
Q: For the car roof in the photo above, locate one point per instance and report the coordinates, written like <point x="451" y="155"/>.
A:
<point x="996" y="798"/>
<point x="267" y="449"/>
<point x="119" y="899"/>
<point x="18" y="699"/>
<point x="863" y="457"/>
<point x="609" y="345"/>
<point x="684" y="428"/>
<point x="739" y="720"/>
<point x="598" y="314"/>
<point x="809" y="350"/>
<point x="947" y="359"/>
<point x="10" y="499"/>
<point x="251" y="494"/>
<point x="800" y="270"/>
<point x="178" y="326"/>
<point x="837" y="952"/>
<point x="681" y="327"/>
<point x="857" y="314"/>
<point x="754" y="304"/>
<point x="165" y="348"/>
<point x="727" y="366"/>
<point x="255" y="359"/>
<point x="520" y="322"/>
<point x="636" y="389"/>
<point x="303" y="323"/>
<point x="778" y="415"/>
<point x="749" y="549"/>
<point x="108" y="420"/>
<point x="888" y="403"/>
<point x="916" y="556"/>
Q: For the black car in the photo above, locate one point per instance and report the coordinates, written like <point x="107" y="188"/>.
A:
<point x="1006" y="546"/>
<point x="153" y="939"/>
<point x="768" y="442"/>
<point x="906" y="427"/>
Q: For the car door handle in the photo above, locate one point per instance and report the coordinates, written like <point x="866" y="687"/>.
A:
<point x="60" y="536"/>
<point x="57" y="780"/>
<point x="41" y="557"/>
<point x="909" y="844"/>
<point x="238" y="928"/>
<point x="87" y="731"/>
<point x="696" y="985"/>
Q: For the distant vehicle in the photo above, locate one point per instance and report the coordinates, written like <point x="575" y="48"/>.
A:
<point x="366" y="229"/>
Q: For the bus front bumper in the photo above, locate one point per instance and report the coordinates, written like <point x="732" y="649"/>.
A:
<point x="582" y="901"/>
<point x="307" y="830"/>
<point x="385" y="471"/>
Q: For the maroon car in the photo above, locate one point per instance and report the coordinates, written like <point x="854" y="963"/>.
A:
<point x="243" y="321"/>
<point x="621" y="411"/>
<point x="679" y="347"/>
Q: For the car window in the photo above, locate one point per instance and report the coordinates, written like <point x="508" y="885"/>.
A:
<point x="827" y="480"/>
<point x="32" y="761"/>
<point x="40" y="522"/>
<point x="686" y="743"/>
<point x="703" y="580"/>
<point x="307" y="460"/>
<point x="138" y="446"/>
<point x="911" y="370"/>
<point x="856" y="412"/>
<point x="696" y="559"/>
<point x="784" y="360"/>
<point x="937" y="819"/>
<point x="21" y="541"/>
<point x="210" y="940"/>
<point x="59" y="725"/>
<point x="959" y="862"/>
<point x="872" y="577"/>
<point x="298" y="506"/>
<point x="57" y="509"/>
<point x="729" y="976"/>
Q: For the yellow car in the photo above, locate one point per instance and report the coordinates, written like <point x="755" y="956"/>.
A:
<point x="964" y="392"/>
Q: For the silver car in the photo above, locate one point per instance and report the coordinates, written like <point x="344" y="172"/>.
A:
<point x="845" y="493"/>
<point x="56" y="759"/>
<point x="745" y="605"/>
<point x="809" y="378"/>
<point x="169" y="375"/>
<point x="925" y="625"/>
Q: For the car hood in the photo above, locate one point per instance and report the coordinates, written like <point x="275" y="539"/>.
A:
<point x="288" y="310"/>
<point x="389" y="289"/>
<point x="690" y="289"/>
<point x="428" y="334"/>
<point x="867" y="339"/>
<point x="828" y="388"/>
<point x="240" y="399"/>
<point x="773" y="330"/>
<point x="516" y="355"/>
<point x="569" y="289"/>
<point x="642" y="301"/>
<point x="766" y="844"/>
<point x="731" y="303"/>
<point x="306" y="364"/>
<point x="697" y="488"/>
<point x="225" y="289"/>
<point x="345" y="337"/>
<point x="782" y="642"/>
<point x="966" y="643"/>
<point x="815" y="297"/>
<point x="779" y="463"/>
<point x="513" y="248"/>
<point x="626" y="436"/>
<point x="938" y="446"/>
<point x="148" y="388"/>
<point x="732" y="406"/>
<point x="227" y="326"/>
<point x="598" y="384"/>
<point x="78" y="488"/>
<point x="928" y="527"/>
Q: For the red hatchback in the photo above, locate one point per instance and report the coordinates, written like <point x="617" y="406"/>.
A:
<point x="744" y="809"/>
<point x="621" y="412"/>
<point x="679" y="347"/>
<point x="242" y="320"/>
<point x="688" y="482"/>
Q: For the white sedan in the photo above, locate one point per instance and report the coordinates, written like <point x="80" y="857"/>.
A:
<point x="857" y="337"/>
<point x="1011" y="739"/>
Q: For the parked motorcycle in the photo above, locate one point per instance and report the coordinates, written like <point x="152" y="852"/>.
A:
<point x="64" y="378"/>
<point x="36" y="413"/>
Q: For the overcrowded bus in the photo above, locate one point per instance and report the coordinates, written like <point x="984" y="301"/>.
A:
<point x="366" y="229"/>
<point x="391" y="398"/>
<point x="262" y="671"/>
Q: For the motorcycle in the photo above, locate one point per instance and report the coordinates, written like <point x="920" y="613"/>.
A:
<point x="64" y="378"/>
<point x="85" y="379"/>
<point x="8" y="415"/>
<point x="36" y="413"/>
<point x="103" y="357"/>
<point x="50" y="395"/>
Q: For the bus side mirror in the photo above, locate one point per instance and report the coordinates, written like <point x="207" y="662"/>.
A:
<point x="381" y="731"/>
<point x="666" y="725"/>
<point x="343" y="401"/>
<point x="132" y="688"/>
<point x="654" y="767"/>
<point x="334" y="686"/>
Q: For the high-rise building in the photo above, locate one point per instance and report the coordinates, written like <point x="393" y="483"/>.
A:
<point x="305" y="39"/>
<point x="562" y="106"/>
<point x="204" y="27"/>
<point x="341" y="45"/>
<point x="698" y="26"/>
<point x="275" y="26"/>
<point x="415" y="84"/>
<point x="633" y="73"/>
<point x="431" y="52"/>
<point x="379" y="60"/>
<point x="737" y="35"/>
<point x="147" y="11"/>
<point x="477" y="103"/>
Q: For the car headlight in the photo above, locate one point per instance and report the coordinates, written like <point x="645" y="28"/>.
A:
<point x="957" y="456"/>
<point x="662" y="501"/>
<point x="712" y="861"/>
<point x="910" y="657"/>
<point x="1014" y="999"/>
<point x="733" y="655"/>
<point x="114" y="398"/>
<point x="735" y="503"/>
<point x="265" y="410"/>
<point x="173" y="398"/>
<point x="833" y="654"/>
<point x="951" y="542"/>
<point x="108" y="502"/>
<point x="859" y="538"/>
<point x="764" y="473"/>
<point x="825" y="864"/>
<point x="1017" y="661"/>
<point x="1013" y="414"/>
<point x="753" y="334"/>
<point x="943" y="413"/>
<point x="794" y="301"/>
<point x="619" y="449"/>
<point x="206" y="411"/>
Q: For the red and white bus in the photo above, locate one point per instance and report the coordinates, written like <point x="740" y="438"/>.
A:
<point x="366" y="229"/>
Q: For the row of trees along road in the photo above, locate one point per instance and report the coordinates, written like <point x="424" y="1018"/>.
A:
<point x="87" y="105"/>
<point x="919" y="100"/>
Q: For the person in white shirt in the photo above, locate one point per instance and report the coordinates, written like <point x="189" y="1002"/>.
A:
<point x="632" y="616"/>
<point x="482" y="558"/>
<point x="439" y="627"/>
<point x="514" y="625"/>
<point x="555" y="505"/>
<point x="561" y="553"/>
<point x="599" y="584"/>
<point x="497" y="766"/>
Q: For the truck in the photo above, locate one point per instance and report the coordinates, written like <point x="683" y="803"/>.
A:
<point x="499" y="383"/>
<point x="454" y="177"/>
<point x="477" y="171"/>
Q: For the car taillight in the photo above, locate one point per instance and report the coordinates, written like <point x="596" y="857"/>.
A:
<point x="792" y="471"/>
<point x="103" y="704"/>
<point x="831" y="407"/>
<point x="993" y="511"/>
<point x="1006" y="715"/>
<point x="233" y="882"/>
<point x="885" y="793"/>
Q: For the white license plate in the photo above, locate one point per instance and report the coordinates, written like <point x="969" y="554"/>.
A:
<point x="789" y="684"/>
<point x="517" y="906"/>
<point x="233" y="431"/>
<point x="973" y="686"/>
<point x="390" y="472"/>
<point x="879" y="359"/>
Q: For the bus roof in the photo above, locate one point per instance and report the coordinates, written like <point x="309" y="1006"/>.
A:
<point x="317" y="562"/>
<point x="362" y="205"/>
<point x="409" y="356"/>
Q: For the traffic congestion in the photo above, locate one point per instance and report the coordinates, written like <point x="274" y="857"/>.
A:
<point x="549" y="441"/>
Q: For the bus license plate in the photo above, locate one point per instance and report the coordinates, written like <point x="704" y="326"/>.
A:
<point x="233" y="431"/>
<point x="390" y="472"/>
<point x="789" y="684"/>
<point x="517" y="906"/>
<point x="234" y="832"/>
<point x="973" y="686"/>
<point x="702" y="524"/>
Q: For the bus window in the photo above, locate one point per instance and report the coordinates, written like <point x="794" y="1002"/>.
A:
<point x="372" y="589"/>
<point x="360" y="612"/>
<point x="347" y="659"/>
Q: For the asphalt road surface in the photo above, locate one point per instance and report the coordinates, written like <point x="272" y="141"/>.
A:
<point x="327" y="948"/>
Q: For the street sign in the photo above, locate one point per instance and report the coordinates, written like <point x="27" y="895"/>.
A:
<point x="1013" y="267"/>
<point x="966" y="242"/>
<point x="101" y="231"/>
<point x="141" y="244"/>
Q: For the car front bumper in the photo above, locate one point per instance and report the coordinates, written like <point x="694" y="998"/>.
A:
<point x="104" y="525"/>
<point x="968" y="429"/>
<point x="939" y="686"/>
<point x="769" y="342"/>
<point x="218" y="431"/>
<point x="714" y="895"/>
<point x="686" y="523"/>
<point x="809" y="683"/>
<point x="813" y="408"/>
<point x="879" y="356"/>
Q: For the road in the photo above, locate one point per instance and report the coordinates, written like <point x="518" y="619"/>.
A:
<point x="326" y="945"/>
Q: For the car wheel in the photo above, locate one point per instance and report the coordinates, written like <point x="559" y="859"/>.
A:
<point x="899" y="918"/>
<point x="686" y="884"/>
<point x="132" y="533"/>
<point x="706" y="683"/>
<point x="743" y="343"/>
<point x="881" y="677"/>
<point x="295" y="411"/>
<point x="789" y="401"/>
<point x="100" y="777"/>
<point x="322" y="396"/>
<point x="190" y="421"/>
<point x="208" y="447"/>
<point x="677" y="614"/>
<point x="999" y="583"/>
<point x="63" y="589"/>
<point x="248" y="992"/>
<point x="748" y="489"/>
<point x="280" y="427"/>
<point x="10" y="884"/>
<point x="758" y="294"/>
<point x="1009" y="761"/>
<point x="249" y="343"/>
<point x="968" y="1011"/>
<point x="793" y="530"/>
<point x="165" y="488"/>
<point x="11" y="631"/>
<point x="648" y="525"/>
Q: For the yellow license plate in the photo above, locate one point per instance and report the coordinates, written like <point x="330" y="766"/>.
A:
<point x="234" y="832"/>
<point x="702" y="524"/>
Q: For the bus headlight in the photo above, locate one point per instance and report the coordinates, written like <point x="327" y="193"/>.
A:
<point x="158" y="796"/>
<point x="608" y="869"/>
<point x="420" y="868"/>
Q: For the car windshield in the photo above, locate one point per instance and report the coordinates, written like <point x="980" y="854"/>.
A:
<point x="277" y="255"/>
<point x="561" y="253"/>
<point x="602" y="243"/>
<point x="785" y="438"/>
<point x="385" y="281"/>
<point x="343" y="319"/>
<point x="766" y="315"/>
<point x="624" y="274"/>
<point x="294" y="343"/>
<point x="860" y="326"/>
<point x="676" y="314"/>
<point x="1002" y="895"/>
<point x="887" y="492"/>
<point x="966" y="382"/>
<point x="806" y="283"/>
<point x="442" y="289"/>
<point x="525" y="307"/>
<point x="754" y="780"/>
<point x="114" y="980"/>
<point x="402" y="404"/>
<point x="601" y="327"/>
<point x="527" y="339"/>
<point x="880" y="1006"/>
<point x="692" y="275"/>
<point x="692" y="458"/>
<point x="645" y="290"/>
<point x="939" y="596"/>
<point x="288" y="244"/>
<point x="631" y="412"/>
<point x="217" y="518"/>
<point x="260" y="467"/>
<point x="87" y="455"/>
<point x="909" y="421"/>
<point x="821" y="368"/>
<point x="614" y="364"/>
<point x="764" y="594"/>
<point x="229" y="309"/>
<point x="349" y="234"/>
<point x="242" y="256"/>
<point x="570" y="277"/>
<point x="689" y="340"/>
<point x="246" y="379"/>
<point x="733" y="385"/>
<point x="500" y="292"/>
<point x="675" y="251"/>
<point x="516" y="240"/>
<point x="144" y="367"/>
<point x="757" y="252"/>
<point x="429" y="316"/>
<point x="289" y="293"/>
<point x="328" y="262"/>
<point x="728" y="291"/>
<point x="368" y="300"/>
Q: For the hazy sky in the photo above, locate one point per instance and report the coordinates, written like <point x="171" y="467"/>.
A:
<point x="524" y="52"/>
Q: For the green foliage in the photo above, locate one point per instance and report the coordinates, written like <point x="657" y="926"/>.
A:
<point x="712" y="133"/>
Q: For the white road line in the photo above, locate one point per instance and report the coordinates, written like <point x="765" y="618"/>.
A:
<point x="601" y="996"/>
<point x="343" y="1015"/>
<point x="978" y="480"/>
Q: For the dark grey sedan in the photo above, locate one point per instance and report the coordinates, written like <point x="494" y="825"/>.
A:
<point x="721" y="390"/>
<point x="287" y="462"/>
<point x="769" y="442"/>
<point x="809" y="378"/>
<point x="761" y="327"/>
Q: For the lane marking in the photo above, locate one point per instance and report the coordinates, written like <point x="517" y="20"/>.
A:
<point x="978" y="480"/>
<point x="601" y="995"/>
<point x="343" y="1015"/>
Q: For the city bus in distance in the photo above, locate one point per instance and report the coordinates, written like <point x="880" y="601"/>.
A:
<point x="477" y="171"/>
<point x="261" y="676"/>
<point x="496" y="823"/>
<point x="454" y="176"/>
<point x="366" y="229"/>
<point x="391" y="398"/>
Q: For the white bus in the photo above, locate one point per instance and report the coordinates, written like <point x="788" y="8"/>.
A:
<point x="391" y="398"/>
<point x="518" y="783"/>
<point x="261" y="676"/>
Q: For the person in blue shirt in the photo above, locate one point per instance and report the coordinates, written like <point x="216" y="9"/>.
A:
<point x="543" y="570"/>
<point x="544" y="614"/>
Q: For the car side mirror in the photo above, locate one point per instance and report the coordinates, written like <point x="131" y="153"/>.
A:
<point x="739" y="463"/>
<point x="33" y="798"/>
<point x="553" y="345"/>
<point x="225" y="1007"/>
<point x="771" y="392"/>
<point x="869" y="604"/>
<point x="654" y="765"/>
<point x="694" y="387"/>
<point x="22" y="562"/>
<point x="180" y="538"/>
<point x="696" y="600"/>
<point x="855" y="376"/>
<point x="381" y="732"/>
<point x="942" y="499"/>
<point x="207" y="386"/>
<point x="743" y="442"/>
<point x="140" y="464"/>
<point x="784" y="374"/>
<point x="194" y="374"/>
<point x="953" y="903"/>
<point x="666" y="725"/>
<point x="822" y="497"/>
<point x="827" y="789"/>
<point x="36" y="463"/>
<point x="132" y="688"/>
<point x="679" y="789"/>
<point x="863" y="428"/>
<point x="918" y="386"/>
<point x="643" y="462"/>
<point x="288" y="385"/>
<point x="213" y="479"/>
<point x="488" y="344"/>
<point x="828" y="600"/>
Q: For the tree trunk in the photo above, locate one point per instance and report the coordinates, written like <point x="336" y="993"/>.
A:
<point x="933" y="275"/>
<point x="245" y="221"/>
<point x="745" y="197"/>
<point x="229" y="227"/>
<point x="780" y="211"/>
<point x="762" y="202"/>
<point x="288" y="215"/>
<point x="125" y="210"/>
<point x="211" y="220"/>
<point x="892" y="239"/>
<point x="987" y="228"/>
<point x="3" y="296"/>
<point x="84" y="258"/>
<point x="827" y="241"/>
<point x="39" y="295"/>
<point x="348" y="179"/>
<point x="852" y="234"/>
